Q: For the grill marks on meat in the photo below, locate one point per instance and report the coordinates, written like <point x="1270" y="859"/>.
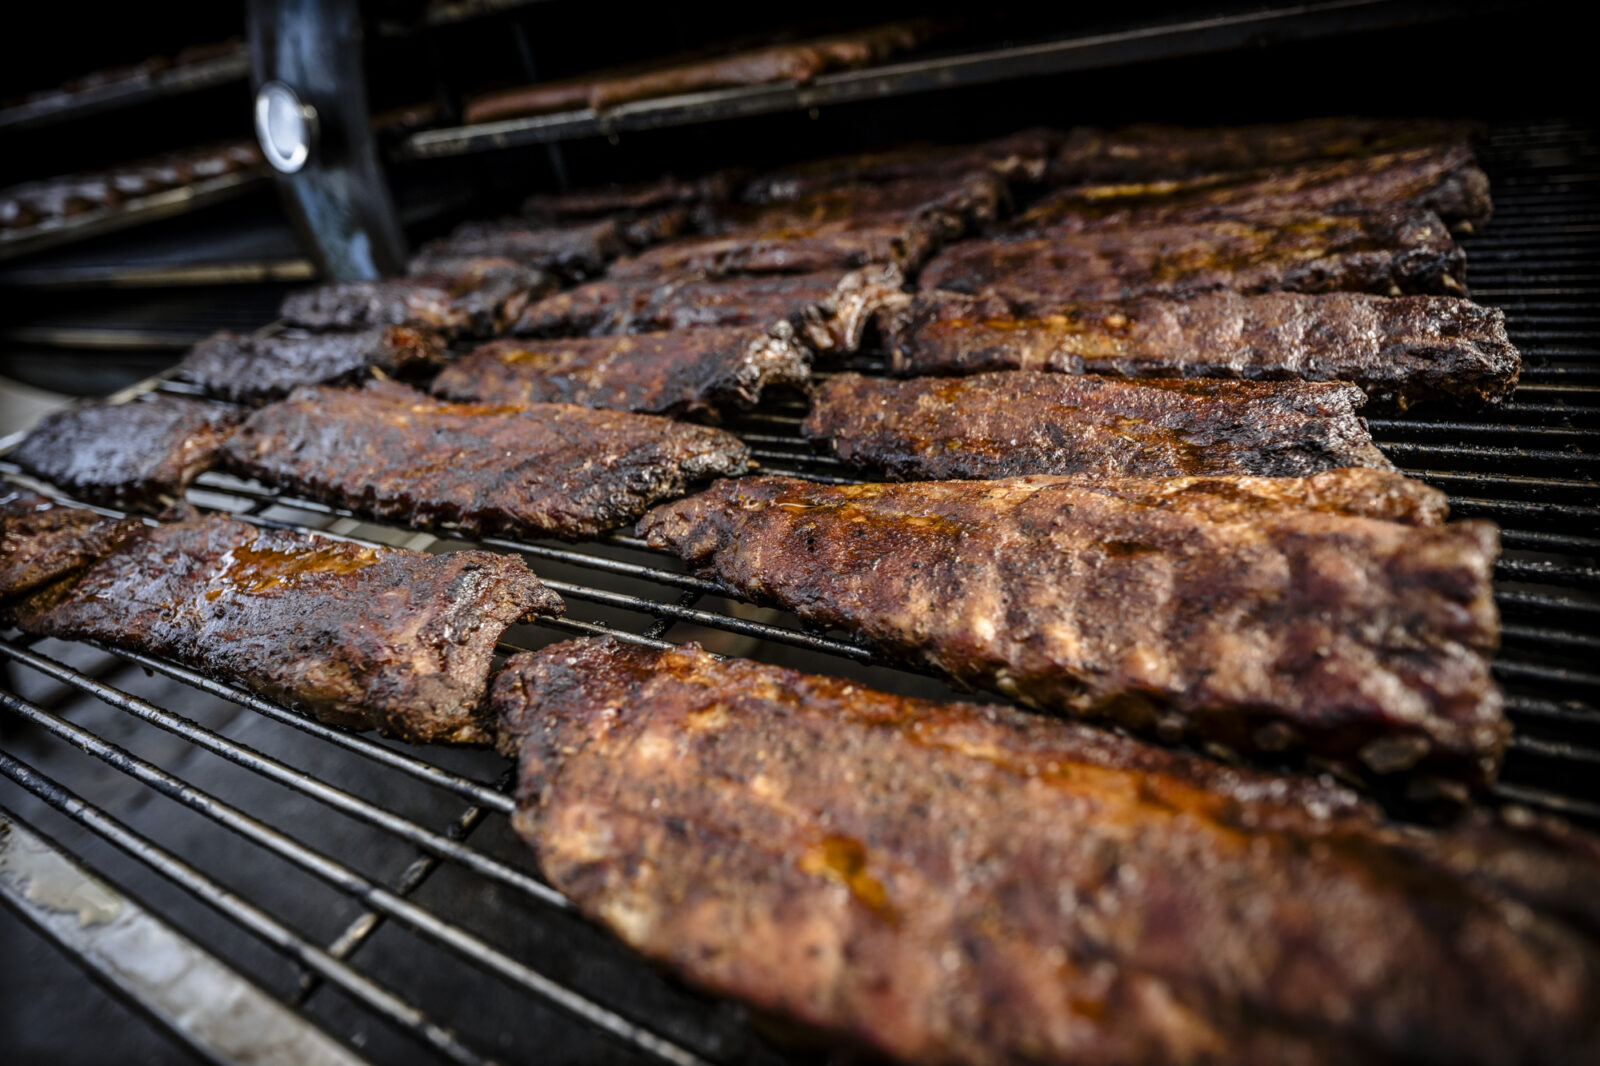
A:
<point x="1333" y="613"/>
<point x="829" y="310"/>
<point x="250" y="369"/>
<point x="1387" y="254"/>
<point x="137" y="455"/>
<point x="480" y="297"/>
<point x="369" y="638"/>
<point x="42" y="541"/>
<point x="1153" y="151"/>
<point x="682" y="372"/>
<point x="1024" y="422"/>
<point x="1445" y="180"/>
<point x="956" y="884"/>
<point x="530" y="470"/>
<point x="1401" y="351"/>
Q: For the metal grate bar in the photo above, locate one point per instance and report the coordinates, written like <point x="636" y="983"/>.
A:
<point x="354" y="884"/>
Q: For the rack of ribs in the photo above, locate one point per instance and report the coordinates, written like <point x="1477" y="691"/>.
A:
<point x="368" y="638"/>
<point x="1015" y="422"/>
<point x="42" y="541"/>
<point x="247" y="368"/>
<point x="1390" y="254"/>
<point x="829" y="310"/>
<point x="957" y="884"/>
<point x="1445" y="180"/>
<point x="521" y="469"/>
<point x="698" y="372"/>
<point x="1334" y="615"/>
<point x="474" y="297"/>
<point x="139" y="455"/>
<point x="1401" y="350"/>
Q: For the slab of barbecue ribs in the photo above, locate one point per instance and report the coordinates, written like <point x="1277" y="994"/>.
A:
<point x="42" y="541"/>
<point x="830" y="310"/>
<point x="1444" y="179"/>
<point x="1016" y="422"/>
<point x="139" y="455"/>
<point x="955" y="884"/>
<point x="369" y="638"/>
<point x="1388" y="254"/>
<point x="533" y="470"/>
<point x="1143" y="152"/>
<point x="246" y="368"/>
<point x="1335" y="614"/>
<point x="572" y="249"/>
<point x="1401" y="350"/>
<point x="685" y="372"/>
<point x="473" y="297"/>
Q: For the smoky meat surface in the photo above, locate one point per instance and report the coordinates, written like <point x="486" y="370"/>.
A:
<point x="949" y="883"/>
<point x="1400" y="350"/>
<point x="1016" y="422"/>
<point x="139" y="455"/>
<point x="681" y="372"/>
<point x="1334" y="614"/>
<point x="1387" y="254"/>
<point x="42" y="541"/>
<point x="368" y="638"/>
<point x="534" y="470"/>
<point x="251" y="369"/>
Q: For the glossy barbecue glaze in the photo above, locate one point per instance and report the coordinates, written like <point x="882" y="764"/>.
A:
<point x="530" y="470"/>
<point x="947" y="883"/>
<point x="1025" y="422"/>
<point x="1400" y="350"/>
<point x="42" y="541"/>
<point x="1333" y="614"/>
<point x="249" y="369"/>
<point x="681" y="372"/>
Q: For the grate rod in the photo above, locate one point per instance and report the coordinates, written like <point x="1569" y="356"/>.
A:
<point x="260" y="924"/>
<point x="354" y="884"/>
<point x="299" y="781"/>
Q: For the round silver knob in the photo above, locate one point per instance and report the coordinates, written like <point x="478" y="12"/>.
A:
<point x="286" y="126"/>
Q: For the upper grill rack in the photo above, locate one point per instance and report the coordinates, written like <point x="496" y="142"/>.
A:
<point x="1525" y="465"/>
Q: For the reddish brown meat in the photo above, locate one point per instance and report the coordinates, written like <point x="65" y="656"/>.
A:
<point x="682" y="372"/>
<point x="1333" y="612"/>
<point x="370" y="638"/>
<point x="247" y="368"/>
<point x="1388" y="254"/>
<point x="1401" y="350"/>
<point x="1024" y="422"/>
<point x="534" y="470"/>
<point x="42" y="541"/>
<point x="475" y="296"/>
<point x="951" y="884"/>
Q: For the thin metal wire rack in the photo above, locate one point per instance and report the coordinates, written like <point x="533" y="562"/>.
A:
<point x="1527" y="465"/>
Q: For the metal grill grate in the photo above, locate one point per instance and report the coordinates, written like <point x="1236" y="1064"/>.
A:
<point x="411" y="903"/>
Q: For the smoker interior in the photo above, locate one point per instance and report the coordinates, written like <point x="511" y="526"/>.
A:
<point x="376" y="888"/>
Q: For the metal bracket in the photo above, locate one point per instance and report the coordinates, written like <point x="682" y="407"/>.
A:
<point x="314" y="125"/>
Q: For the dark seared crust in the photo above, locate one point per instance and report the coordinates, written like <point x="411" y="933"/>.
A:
<point x="475" y="296"/>
<point x="1401" y="350"/>
<point x="1021" y="157"/>
<point x="948" y="204"/>
<point x="41" y="541"/>
<point x="829" y="310"/>
<point x="1152" y="151"/>
<point x="574" y="249"/>
<point x="370" y="638"/>
<point x="249" y="369"/>
<point x="1387" y="254"/>
<point x="846" y="244"/>
<point x="1443" y="179"/>
<point x="1264" y="613"/>
<point x="797" y="62"/>
<point x="139" y="455"/>
<point x="681" y="372"/>
<point x="1025" y="422"/>
<point x="530" y="470"/>
<point x="951" y="884"/>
